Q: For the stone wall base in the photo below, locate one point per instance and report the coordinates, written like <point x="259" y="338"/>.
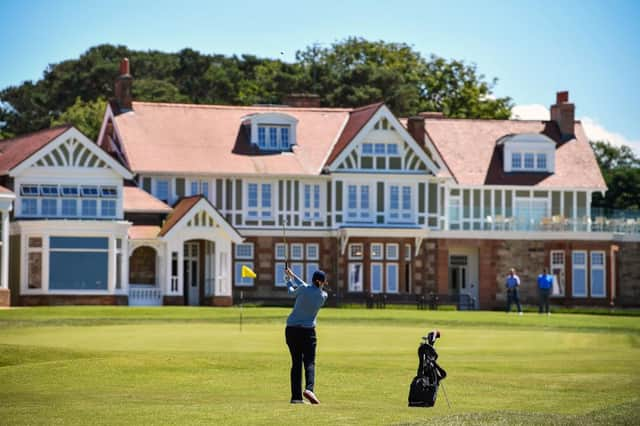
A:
<point x="5" y="297"/>
<point x="221" y="301"/>
<point x="173" y="300"/>
<point x="54" y="300"/>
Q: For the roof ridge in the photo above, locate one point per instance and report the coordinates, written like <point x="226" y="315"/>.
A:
<point x="240" y="107"/>
<point x="26" y="135"/>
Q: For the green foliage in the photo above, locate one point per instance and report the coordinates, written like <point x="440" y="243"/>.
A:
<point x="350" y="73"/>
<point x="85" y="116"/>
<point x="620" y="168"/>
<point x="177" y="365"/>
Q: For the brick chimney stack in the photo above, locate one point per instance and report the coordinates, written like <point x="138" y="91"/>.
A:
<point x="564" y="113"/>
<point x="124" y="98"/>
<point x="302" y="100"/>
<point x="415" y="126"/>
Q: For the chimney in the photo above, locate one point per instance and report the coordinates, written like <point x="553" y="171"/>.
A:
<point x="302" y="100"/>
<point x="564" y="113"/>
<point x="123" y="84"/>
<point x="415" y="126"/>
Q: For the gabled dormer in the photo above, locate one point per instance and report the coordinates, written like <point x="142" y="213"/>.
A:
<point x="272" y="131"/>
<point x="528" y="152"/>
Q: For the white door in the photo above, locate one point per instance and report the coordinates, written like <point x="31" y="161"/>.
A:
<point x="192" y="273"/>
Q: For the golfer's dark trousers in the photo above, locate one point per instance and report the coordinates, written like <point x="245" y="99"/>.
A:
<point x="302" y="346"/>
<point x="513" y="297"/>
<point x="544" y="299"/>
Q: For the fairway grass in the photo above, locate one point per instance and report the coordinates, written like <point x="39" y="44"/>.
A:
<point x="139" y="366"/>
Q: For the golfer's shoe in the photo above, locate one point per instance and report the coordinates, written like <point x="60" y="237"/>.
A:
<point x="311" y="397"/>
<point x="297" y="401"/>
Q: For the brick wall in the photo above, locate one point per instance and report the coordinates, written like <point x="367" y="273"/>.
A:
<point x="50" y="300"/>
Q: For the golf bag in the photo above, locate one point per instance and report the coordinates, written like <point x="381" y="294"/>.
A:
<point x="424" y="387"/>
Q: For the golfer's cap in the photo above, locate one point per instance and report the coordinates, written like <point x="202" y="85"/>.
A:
<point x="319" y="276"/>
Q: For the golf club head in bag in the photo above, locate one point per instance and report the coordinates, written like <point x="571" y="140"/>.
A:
<point x="423" y="390"/>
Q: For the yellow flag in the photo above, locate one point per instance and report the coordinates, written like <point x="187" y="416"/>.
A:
<point x="247" y="272"/>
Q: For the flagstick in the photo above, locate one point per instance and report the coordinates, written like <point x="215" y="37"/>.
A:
<point x="241" y="311"/>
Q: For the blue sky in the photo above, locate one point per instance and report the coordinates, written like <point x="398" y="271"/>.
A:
<point x="591" y="48"/>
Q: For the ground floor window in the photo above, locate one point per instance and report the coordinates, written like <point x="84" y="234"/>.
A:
<point x="303" y="261"/>
<point x="376" y="278"/>
<point x="579" y="280"/>
<point x="598" y="274"/>
<point x="34" y="266"/>
<point x="78" y="263"/>
<point x="355" y="276"/>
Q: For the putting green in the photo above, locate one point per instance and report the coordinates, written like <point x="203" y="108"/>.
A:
<point x="119" y="365"/>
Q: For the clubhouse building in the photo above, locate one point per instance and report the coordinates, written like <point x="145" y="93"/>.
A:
<point x="173" y="199"/>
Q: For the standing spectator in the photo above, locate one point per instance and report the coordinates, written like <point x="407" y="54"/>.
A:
<point x="512" y="284"/>
<point x="545" y="282"/>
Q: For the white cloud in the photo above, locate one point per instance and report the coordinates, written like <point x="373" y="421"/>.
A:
<point x="594" y="130"/>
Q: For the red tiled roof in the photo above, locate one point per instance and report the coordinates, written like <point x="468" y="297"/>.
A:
<point x="357" y="119"/>
<point x="474" y="158"/>
<point x="179" y="210"/>
<point x="192" y="139"/>
<point x="143" y="232"/>
<point x="136" y="200"/>
<point x="6" y="191"/>
<point x="15" y="150"/>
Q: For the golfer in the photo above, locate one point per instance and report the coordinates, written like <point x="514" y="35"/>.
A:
<point x="512" y="283"/>
<point x="301" y="332"/>
<point x="545" y="282"/>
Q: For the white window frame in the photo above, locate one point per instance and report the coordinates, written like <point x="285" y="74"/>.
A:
<point x="277" y="248"/>
<point x="310" y="256"/>
<point x="575" y="267"/>
<point x="42" y="251"/>
<point x="297" y="247"/>
<point x="595" y="267"/>
<point x="199" y="187"/>
<point x="559" y="282"/>
<point x="352" y="253"/>
<point x="279" y="277"/>
<point x="359" y="214"/>
<point x="389" y="255"/>
<point x="259" y="212"/>
<point x="388" y="273"/>
<point x="400" y="214"/>
<point x="455" y="200"/>
<point x="237" y="255"/>
<point x="372" y="255"/>
<point x="375" y="265"/>
<point x="312" y="211"/>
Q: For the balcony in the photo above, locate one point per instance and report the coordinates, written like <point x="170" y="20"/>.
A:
<point x="600" y="220"/>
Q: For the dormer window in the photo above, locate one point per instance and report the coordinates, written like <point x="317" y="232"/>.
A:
<point x="528" y="153"/>
<point x="272" y="131"/>
<point x="382" y="156"/>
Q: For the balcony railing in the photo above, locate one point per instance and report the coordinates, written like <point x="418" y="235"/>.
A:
<point x="600" y="220"/>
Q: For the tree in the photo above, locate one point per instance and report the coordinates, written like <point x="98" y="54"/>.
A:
<point x="620" y="168"/>
<point x="85" y="116"/>
<point x="356" y="71"/>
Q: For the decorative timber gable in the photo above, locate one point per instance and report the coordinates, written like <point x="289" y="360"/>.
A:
<point x="72" y="151"/>
<point x="383" y="145"/>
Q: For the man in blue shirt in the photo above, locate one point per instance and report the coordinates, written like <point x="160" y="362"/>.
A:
<point x="512" y="284"/>
<point x="301" y="332"/>
<point x="545" y="283"/>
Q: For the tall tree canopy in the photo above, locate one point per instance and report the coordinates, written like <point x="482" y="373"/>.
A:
<point x="621" y="171"/>
<point x="349" y="73"/>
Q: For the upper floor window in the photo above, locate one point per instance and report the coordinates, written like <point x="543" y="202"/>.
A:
<point x="259" y="200"/>
<point x="358" y="203"/>
<point x="311" y="204"/>
<point x="162" y="190"/>
<point x="66" y="201"/>
<point x="273" y="138"/>
<point x="272" y="131"/>
<point x="384" y="156"/>
<point x="528" y="152"/>
<point x="400" y="203"/>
